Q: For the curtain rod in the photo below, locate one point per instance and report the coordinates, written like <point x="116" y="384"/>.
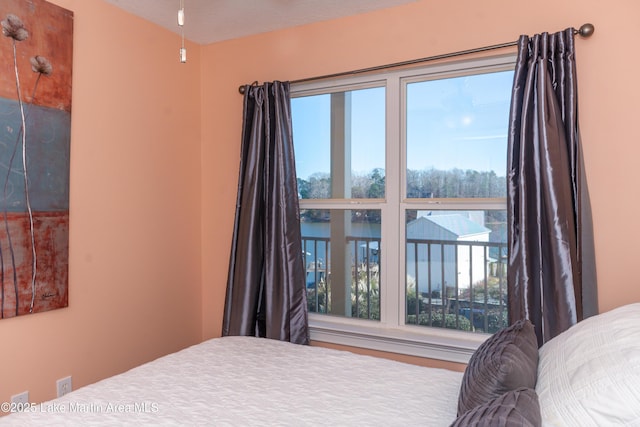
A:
<point x="586" y="30"/>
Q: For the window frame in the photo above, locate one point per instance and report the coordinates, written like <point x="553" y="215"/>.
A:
<point x="390" y="333"/>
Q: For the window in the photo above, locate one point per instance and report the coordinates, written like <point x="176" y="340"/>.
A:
<point x="402" y="182"/>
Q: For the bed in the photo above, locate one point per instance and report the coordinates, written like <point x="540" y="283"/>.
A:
<point x="587" y="376"/>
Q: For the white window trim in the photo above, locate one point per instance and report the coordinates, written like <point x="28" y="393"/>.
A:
<point x="390" y="334"/>
<point x="412" y="340"/>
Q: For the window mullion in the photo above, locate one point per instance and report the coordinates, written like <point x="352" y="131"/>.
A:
<point x="392" y="267"/>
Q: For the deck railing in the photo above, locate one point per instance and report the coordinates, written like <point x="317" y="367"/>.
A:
<point x="436" y="294"/>
<point x="465" y="285"/>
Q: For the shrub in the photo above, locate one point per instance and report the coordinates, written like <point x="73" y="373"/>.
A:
<point x="463" y="323"/>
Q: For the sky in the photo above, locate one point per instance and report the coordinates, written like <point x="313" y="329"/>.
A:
<point x="451" y="123"/>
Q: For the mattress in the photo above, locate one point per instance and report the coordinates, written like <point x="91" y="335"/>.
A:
<point x="246" y="381"/>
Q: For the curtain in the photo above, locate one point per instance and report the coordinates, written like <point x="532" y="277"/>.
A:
<point x="266" y="293"/>
<point x="551" y="273"/>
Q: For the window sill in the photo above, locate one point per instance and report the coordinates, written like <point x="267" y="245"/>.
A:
<point x="432" y="343"/>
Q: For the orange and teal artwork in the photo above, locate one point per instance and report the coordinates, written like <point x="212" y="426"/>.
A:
<point x="36" y="51"/>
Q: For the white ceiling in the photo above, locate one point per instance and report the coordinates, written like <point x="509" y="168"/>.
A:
<point x="208" y="21"/>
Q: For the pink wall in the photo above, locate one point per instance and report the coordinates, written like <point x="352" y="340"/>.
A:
<point x="608" y="107"/>
<point x="134" y="278"/>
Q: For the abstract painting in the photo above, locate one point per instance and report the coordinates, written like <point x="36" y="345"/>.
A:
<point x="36" y="50"/>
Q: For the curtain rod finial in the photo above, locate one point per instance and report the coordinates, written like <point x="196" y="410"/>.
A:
<point x="586" y="30"/>
<point x="242" y="89"/>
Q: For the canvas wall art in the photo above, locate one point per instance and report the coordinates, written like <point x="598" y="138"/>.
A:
<point x="36" y="50"/>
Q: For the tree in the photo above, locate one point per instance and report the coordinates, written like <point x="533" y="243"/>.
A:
<point x="376" y="184"/>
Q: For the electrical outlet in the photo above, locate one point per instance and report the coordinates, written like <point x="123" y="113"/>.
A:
<point x="63" y="385"/>
<point x="21" y="398"/>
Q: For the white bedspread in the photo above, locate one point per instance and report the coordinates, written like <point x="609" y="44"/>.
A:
<point x="241" y="381"/>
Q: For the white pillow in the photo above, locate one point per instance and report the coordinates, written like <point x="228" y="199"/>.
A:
<point x="590" y="374"/>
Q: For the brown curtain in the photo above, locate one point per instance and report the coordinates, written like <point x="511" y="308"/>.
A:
<point x="551" y="275"/>
<point x="266" y="294"/>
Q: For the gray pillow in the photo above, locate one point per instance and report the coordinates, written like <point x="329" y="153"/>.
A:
<point x="517" y="408"/>
<point x="504" y="362"/>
